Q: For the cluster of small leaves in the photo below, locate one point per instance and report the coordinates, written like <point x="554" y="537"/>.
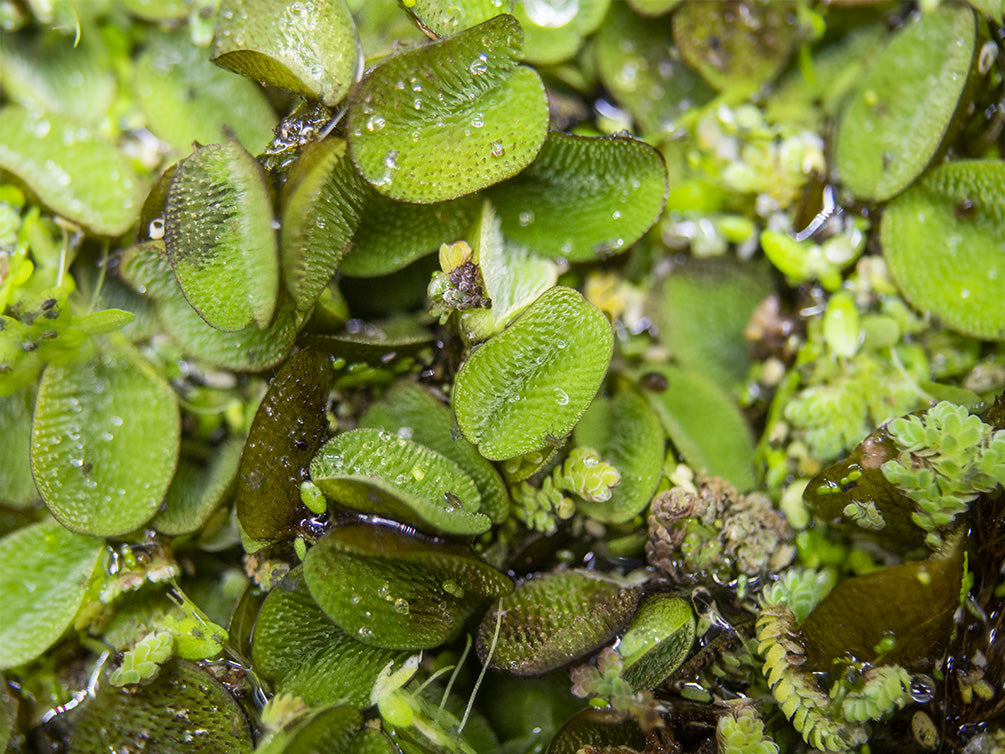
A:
<point x="715" y="531"/>
<point x="872" y="693"/>
<point x="741" y="731"/>
<point x="583" y="474"/>
<point x="800" y="590"/>
<point x="143" y="661"/>
<point x="946" y="459"/>
<point x="600" y="681"/>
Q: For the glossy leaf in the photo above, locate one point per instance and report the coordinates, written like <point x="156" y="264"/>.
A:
<point x="536" y="378"/>
<point x="658" y="641"/>
<point x="323" y="201"/>
<point x="289" y="427"/>
<point x="75" y="172"/>
<point x="183" y="710"/>
<point x="857" y="615"/>
<point x="197" y="490"/>
<point x="896" y="120"/>
<point x="702" y="310"/>
<point x="301" y="652"/>
<point x="940" y="239"/>
<point x="219" y="237"/>
<point x="583" y="198"/>
<point x="445" y="19"/>
<point x="636" y="62"/>
<point x="627" y="434"/>
<point x="555" y="29"/>
<point x="309" y="47"/>
<point x="706" y="426"/>
<point x="736" y="45"/>
<point x="44" y="574"/>
<point x="104" y="442"/>
<point x="17" y="487"/>
<point x="186" y="98"/>
<point x="146" y="268"/>
<point x="457" y="95"/>
<point x="411" y="411"/>
<point x="391" y="590"/>
<point x="381" y="474"/>
<point x="551" y="620"/>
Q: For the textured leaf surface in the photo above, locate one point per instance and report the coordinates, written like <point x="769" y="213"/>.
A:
<point x="395" y="591"/>
<point x="186" y="98"/>
<point x="658" y="641"/>
<point x="536" y="378"/>
<point x="44" y="571"/>
<point x="146" y="268"/>
<point x="183" y="711"/>
<point x="553" y="619"/>
<point x="597" y="728"/>
<point x="383" y="474"/>
<point x="736" y="45"/>
<point x="706" y="426"/>
<point x="301" y="652"/>
<point x="444" y="18"/>
<point x="628" y="434"/>
<point x="219" y="237"/>
<point x="323" y="201"/>
<point x="895" y="121"/>
<point x="941" y="239"/>
<point x="74" y="172"/>
<point x="332" y="730"/>
<point x="583" y="198"/>
<point x="289" y="427"/>
<point x="309" y="47"/>
<point x="411" y="411"/>
<point x="393" y="234"/>
<point x="464" y="96"/>
<point x="197" y="490"/>
<point x="702" y="310"/>
<point x="104" y="442"/>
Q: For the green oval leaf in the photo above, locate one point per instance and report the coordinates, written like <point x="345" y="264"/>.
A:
<point x="941" y="240"/>
<point x="554" y="30"/>
<point x="289" y="427"/>
<point x="381" y="474"/>
<point x="186" y="98"/>
<point x="104" y="442"/>
<point x="332" y="730"/>
<point x="182" y="711"/>
<point x="551" y="620"/>
<point x="658" y="641"/>
<point x="601" y="729"/>
<point x="309" y="47"/>
<point x="702" y="310"/>
<point x="736" y="45"/>
<point x="536" y="378"/>
<point x="197" y="490"/>
<point x="146" y="268"/>
<point x="395" y="591"/>
<point x="456" y="96"/>
<point x="412" y="412"/>
<point x="74" y="172"/>
<point x="44" y="574"/>
<point x="628" y="434"/>
<point x="219" y="237"/>
<point x="706" y="426"/>
<point x="583" y="197"/>
<point x="17" y="487"/>
<point x="301" y="652"/>
<point x="895" y="121"/>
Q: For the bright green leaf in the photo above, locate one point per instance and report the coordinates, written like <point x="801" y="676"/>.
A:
<point x="464" y="96"/>
<point x="197" y="490"/>
<point x="104" y="442"/>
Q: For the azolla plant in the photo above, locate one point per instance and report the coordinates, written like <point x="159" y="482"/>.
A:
<point x="501" y="376"/>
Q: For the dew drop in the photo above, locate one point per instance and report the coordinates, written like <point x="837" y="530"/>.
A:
<point x="561" y="397"/>
<point x="478" y="120"/>
<point x="453" y="588"/>
<point x="526" y="217"/>
<point x="479" y="65"/>
<point x="401" y="606"/>
<point x="551" y="14"/>
<point x="497" y="149"/>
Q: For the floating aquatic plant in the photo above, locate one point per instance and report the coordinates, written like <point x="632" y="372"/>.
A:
<point x="346" y="437"/>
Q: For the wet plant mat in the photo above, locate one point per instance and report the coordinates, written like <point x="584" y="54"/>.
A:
<point x="502" y="376"/>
